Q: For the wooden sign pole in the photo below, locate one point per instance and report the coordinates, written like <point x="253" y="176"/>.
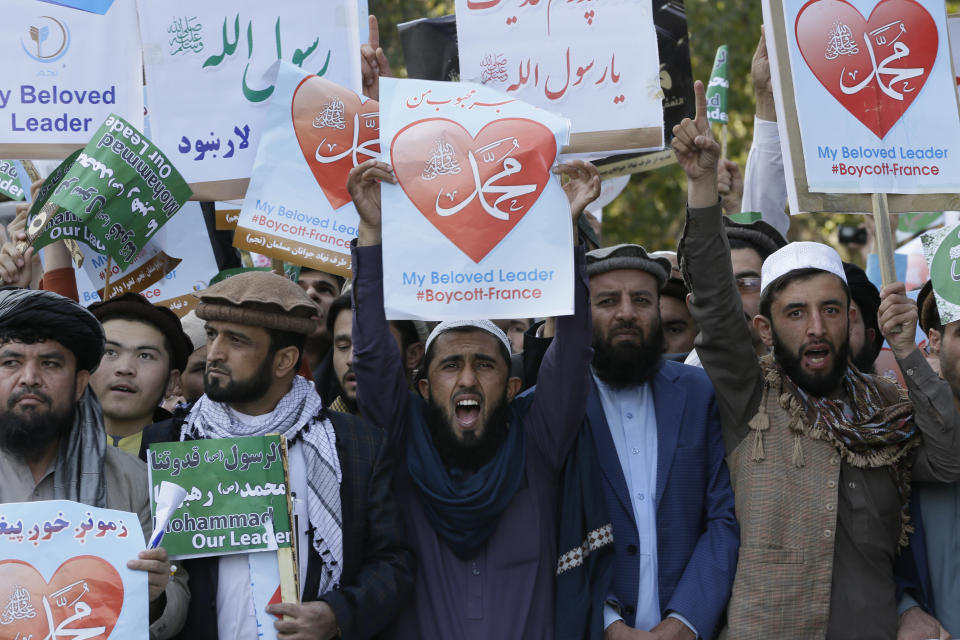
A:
<point x="884" y="235"/>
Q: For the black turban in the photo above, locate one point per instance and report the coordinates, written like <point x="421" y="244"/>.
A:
<point x="48" y="315"/>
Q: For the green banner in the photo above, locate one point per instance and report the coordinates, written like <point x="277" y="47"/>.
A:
<point x="117" y="193"/>
<point x="10" y="181"/>
<point x="746" y="217"/>
<point x="237" y="495"/>
<point x="717" y="89"/>
<point x="941" y="248"/>
<point x="917" y="222"/>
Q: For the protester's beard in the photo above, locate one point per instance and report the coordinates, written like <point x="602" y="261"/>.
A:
<point x="816" y="385"/>
<point x="473" y="451"/>
<point x="238" y="391"/>
<point x="28" y="435"/>
<point x="865" y="359"/>
<point x="627" y="364"/>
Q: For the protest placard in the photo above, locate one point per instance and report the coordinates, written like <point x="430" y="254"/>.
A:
<point x="867" y="103"/>
<point x="953" y="27"/>
<point x="10" y="181"/>
<point x="205" y="66"/>
<point x="177" y="262"/>
<point x="297" y="208"/>
<point x="941" y="248"/>
<point x="63" y="572"/>
<point x="477" y="226"/>
<point x="114" y="195"/>
<point x="237" y="495"/>
<point x="597" y="65"/>
<point x="65" y="71"/>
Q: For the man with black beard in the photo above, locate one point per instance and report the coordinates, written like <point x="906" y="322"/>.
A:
<point x="355" y="567"/>
<point x="820" y="454"/>
<point x="659" y="448"/>
<point x="52" y="442"/>
<point x="479" y="469"/>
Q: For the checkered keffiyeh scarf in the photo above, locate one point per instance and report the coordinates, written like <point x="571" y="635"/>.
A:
<point x="298" y="415"/>
<point x="870" y="431"/>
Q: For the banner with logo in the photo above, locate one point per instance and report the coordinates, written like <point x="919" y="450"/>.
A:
<point x="65" y="71"/>
<point x="297" y="208"/>
<point x="595" y="63"/>
<point x="874" y="97"/>
<point x="206" y="66"/>
<point x="63" y="572"/>
<point x="477" y="226"/>
<point x="941" y="247"/>
<point x="237" y="495"/>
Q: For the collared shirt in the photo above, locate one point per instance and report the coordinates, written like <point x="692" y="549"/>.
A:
<point x="632" y="419"/>
<point x="236" y="618"/>
<point x="130" y="444"/>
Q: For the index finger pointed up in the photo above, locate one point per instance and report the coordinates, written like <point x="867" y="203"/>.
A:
<point x="700" y="99"/>
<point x="374" y="37"/>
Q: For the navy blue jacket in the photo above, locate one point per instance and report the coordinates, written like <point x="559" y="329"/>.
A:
<point x="697" y="533"/>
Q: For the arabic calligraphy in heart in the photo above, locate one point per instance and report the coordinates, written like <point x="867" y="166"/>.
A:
<point x="336" y="132"/>
<point x="83" y="599"/>
<point x="875" y="68"/>
<point x="473" y="189"/>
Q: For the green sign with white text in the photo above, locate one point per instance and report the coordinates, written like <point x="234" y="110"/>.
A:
<point x="237" y="495"/>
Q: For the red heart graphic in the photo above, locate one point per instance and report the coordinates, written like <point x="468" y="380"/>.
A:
<point x="474" y="190"/>
<point x="875" y="68"/>
<point x="336" y="132"/>
<point x="85" y="592"/>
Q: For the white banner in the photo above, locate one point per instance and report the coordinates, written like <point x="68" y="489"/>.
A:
<point x="63" y="572"/>
<point x="297" y="208"/>
<point x="64" y="71"/>
<point x="477" y="226"/>
<point x="184" y="240"/>
<point x="596" y="63"/>
<point x="875" y="96"/>
<point x="205" y="65"/>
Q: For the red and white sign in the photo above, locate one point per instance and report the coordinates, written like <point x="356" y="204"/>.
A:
<point x="478" y="227"/>
<point x="875" y="94"/>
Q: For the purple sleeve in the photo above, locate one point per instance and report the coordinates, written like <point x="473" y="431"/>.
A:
<point x="560" y="398"/>
<point x="381" y="379"/>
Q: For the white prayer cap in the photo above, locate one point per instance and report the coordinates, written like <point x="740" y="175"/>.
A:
<point x="483" y="325"/>
<point x="801" y="255"/>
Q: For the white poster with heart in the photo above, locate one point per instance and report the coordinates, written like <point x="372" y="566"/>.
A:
<point x="477" y="226"/>
<point x="297" y="207"/>
<point x="876" y="99"/>
<point x="63" y="572"/>
<point x="206" y="67"/>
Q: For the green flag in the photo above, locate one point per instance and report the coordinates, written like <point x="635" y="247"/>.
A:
<point x="746" y="217"/>
<point x="717" y="89"/>
<point x="942" y="250"/>
<point x="917" y="222"/>
<point x="113" y="195"/>
<point x="10" y="181"/>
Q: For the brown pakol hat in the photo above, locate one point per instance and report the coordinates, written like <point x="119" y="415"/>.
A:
<point x="259" y="299"/>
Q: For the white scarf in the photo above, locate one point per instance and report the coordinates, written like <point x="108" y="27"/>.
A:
<point x="296" y="416"/>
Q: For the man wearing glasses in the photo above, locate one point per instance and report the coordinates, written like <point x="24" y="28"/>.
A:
<point x="750" y="245"/>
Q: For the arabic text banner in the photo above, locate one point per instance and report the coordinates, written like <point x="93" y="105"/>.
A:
<point x="65" y="71"/>
<point x="597" y="64"/>
<point x="207" y="84"/>
<point x="477" y="226"/>
<point x="874" y="94"/>
<point x="63" y="572"/>
<point x="297" y="208"/>
<point x="237" y="495"/>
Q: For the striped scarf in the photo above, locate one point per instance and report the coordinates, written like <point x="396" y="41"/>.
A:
<point x="871" y="430"/>
<point x="298" y="416"/>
